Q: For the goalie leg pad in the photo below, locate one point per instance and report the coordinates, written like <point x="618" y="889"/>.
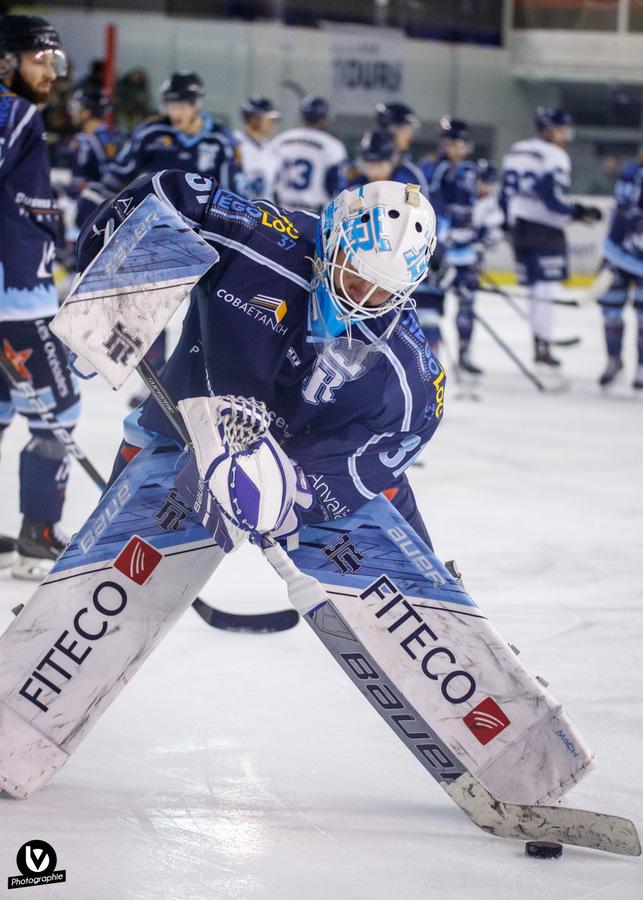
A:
<point x="128" y="575"/>
<point x="423" y="648"/>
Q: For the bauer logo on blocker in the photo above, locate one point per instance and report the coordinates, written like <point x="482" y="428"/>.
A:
<point x="36" y="861"/>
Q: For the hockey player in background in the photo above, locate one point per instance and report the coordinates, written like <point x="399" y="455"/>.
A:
<point x="488" y="217"/>
<point x="623" y="253"/>
<point x="311" y="163"/>
<point x="401" y="123"/>
<point x="452" y="178"/>
<point x="534" y="197"/>
<point x="94" y="147"/>
<point x="185" y="137"/>
<point x="317" y="328"/>
<point x="31" y="58"/>
<point x="258" y="160"/>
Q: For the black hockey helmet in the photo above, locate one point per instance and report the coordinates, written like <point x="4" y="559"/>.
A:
<point x="259" y="106"/>
<point x="183" y="86"/>
<point x="22" y="34"/>
<point x="91" y="99"/>
<point x="377" y="146"/>
<point x="313" y="109"/>
<point x="392" y="115"/>
<point x="486" y="172"/>
<point x="453" y="130"/>
<point x="551" y="117"/>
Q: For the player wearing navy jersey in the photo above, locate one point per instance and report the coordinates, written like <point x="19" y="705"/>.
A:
<point x="452" y="178"/>
<point x="534" y="196"/>
<point x="623" y="252"/>
<point x="185" y="137"/>
<point x="94" y="147"/>
<point x="31" y="58"/>
<point x="311" y="163"/>
<point x="309" y="316"/>
<point x="258" y="160"/>
<point x="401" y="123"/>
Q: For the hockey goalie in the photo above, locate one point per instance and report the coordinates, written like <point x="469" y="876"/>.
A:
<point x="299" y="392"/>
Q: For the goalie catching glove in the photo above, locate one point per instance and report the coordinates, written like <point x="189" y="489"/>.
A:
<point x="240" y="468"/>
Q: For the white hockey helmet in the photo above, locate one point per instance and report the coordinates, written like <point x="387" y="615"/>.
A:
<point x="386" y="233"/>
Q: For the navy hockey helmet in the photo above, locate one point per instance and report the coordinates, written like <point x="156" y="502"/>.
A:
<point x="486" y="172"/>
<point x="453" y="130"/>
<point x="392" y="115"/>
<point x="183" y="86"/>
<point x="313" y="109"/>
<point x="22" y="34"/>
<point x="377" y="146"/>
<point x="259" y="106"/>
<point x="551" y="117"/>
<point x="90" y="99"/>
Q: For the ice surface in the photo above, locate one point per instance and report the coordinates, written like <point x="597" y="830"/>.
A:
<point x="236" y="766"/>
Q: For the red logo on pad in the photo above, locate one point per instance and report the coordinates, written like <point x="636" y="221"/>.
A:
<point x="486" y="721"/>
<point x="137" y="559"/>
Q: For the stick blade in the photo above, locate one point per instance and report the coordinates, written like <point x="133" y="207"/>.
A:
<point x="578" y="827"/>
<point x="256" y="623"/>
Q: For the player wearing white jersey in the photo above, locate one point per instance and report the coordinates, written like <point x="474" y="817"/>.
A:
<point x="258" y="160"/>
<point x="311" y="162"/>
<point x="535" y="186"/>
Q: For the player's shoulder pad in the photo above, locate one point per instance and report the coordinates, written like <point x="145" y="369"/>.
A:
<point x="17" y="112"/>
<point x="273" y="237"/>
<point x="630" y="170"/>
<point x="227" y="133"/>
<point x="556" y="156"/>
<point x="147" y="130"/>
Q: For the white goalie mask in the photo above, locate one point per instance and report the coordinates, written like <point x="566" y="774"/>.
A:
<point x="385" y="232"/>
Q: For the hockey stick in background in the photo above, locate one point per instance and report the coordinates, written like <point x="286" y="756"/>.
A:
<point x="23" y="385"/>
<point x="495" y="288"/>
<point x="512" y="356"/>
<point x="313" y="600"/>
<point x="511" y="301"/>
<point x="257" y="623"/>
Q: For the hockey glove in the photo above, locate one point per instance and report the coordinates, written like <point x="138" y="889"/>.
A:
<point x="581" y="213"/>
<point x="255" y="487"/>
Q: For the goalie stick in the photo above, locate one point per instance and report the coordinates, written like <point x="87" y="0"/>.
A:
<point x="250" y="623"/>
<point x="317" y="603"/>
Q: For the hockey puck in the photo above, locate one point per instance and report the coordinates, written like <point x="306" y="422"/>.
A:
<point x="544" y="849"/>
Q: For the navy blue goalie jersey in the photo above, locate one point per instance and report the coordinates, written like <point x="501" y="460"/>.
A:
<point x="353" y="424"/>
